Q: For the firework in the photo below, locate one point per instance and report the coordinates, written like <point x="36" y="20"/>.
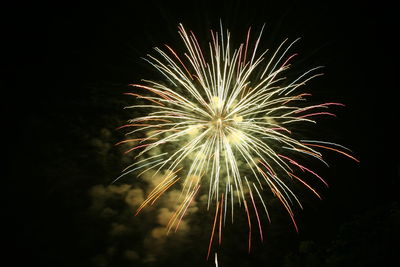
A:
<point x="225" y="119"/>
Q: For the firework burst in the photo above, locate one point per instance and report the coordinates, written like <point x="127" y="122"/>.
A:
<point x="225" y="118"/>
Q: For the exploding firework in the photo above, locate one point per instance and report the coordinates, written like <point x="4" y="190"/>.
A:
<point x="224" y="119"/>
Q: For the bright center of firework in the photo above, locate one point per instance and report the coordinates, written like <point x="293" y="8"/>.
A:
<point x="218" y="122"/>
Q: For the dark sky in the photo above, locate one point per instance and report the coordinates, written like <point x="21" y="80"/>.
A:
<point x="66" y="68"/>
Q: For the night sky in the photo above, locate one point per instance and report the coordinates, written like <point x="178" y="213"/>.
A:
<point x="66" y="68"/>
